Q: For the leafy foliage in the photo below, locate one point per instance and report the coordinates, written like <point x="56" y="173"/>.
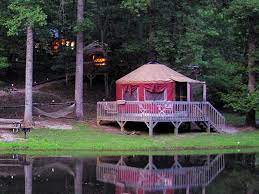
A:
<point x="25" y="13"/>
<point x="206" y="39"/>
<point x="3" y="62"/>
<point x="136" y="6"/>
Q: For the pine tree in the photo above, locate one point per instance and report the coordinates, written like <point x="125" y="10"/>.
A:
<point x="26" y="14"/>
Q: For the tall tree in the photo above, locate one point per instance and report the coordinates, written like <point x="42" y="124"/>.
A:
<point x="26" y="14"/>
<point x="79" y="62"/>
<point x="244" y="14"/>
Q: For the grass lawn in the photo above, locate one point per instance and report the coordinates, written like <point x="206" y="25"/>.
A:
<point x="83" y="138"/>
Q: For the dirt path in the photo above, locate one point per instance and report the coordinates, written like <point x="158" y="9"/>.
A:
<point x="7" y="136"/>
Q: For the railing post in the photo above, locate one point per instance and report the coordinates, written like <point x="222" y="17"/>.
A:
<point x="188" y="92"/>
<point x="204" y="92"/>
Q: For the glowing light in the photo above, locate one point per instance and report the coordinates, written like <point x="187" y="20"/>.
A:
<point x="55" y="45"/>
<point x="73" y="44"/>
<point x="53" y="100"/>
<point x="99" y="60"/>
<point x="63" y="42"/>
<point x="67" y="43"/>
<point x="100" y="64"/>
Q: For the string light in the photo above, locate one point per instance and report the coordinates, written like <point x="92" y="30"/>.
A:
<point x="67" y="43"/>
<point x="63" y="42"/>
<point x="73" y="44"/>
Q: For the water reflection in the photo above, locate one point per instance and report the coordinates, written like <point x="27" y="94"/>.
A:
<point x="131" y="179"/>
<point x="130" y="174"/>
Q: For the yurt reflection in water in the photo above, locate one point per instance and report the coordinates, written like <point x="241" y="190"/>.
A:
<point x="152" y="178"/>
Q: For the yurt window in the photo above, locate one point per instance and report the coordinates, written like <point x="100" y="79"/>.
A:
<point x="155" y="96"/>
<point x="130" y="96"/>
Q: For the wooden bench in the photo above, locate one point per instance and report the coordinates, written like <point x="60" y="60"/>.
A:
<point x="14" y="124"/>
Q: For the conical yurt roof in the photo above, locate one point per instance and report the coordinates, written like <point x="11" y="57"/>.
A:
<point x="154" y="73"/>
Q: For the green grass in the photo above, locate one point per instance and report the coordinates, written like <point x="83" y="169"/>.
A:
<point x="85" y="139"/>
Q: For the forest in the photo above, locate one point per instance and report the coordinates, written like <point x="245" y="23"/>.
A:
<point x="210" y="40"/>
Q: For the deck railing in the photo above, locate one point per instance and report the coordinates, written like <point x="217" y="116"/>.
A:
<point x="175" y="111"/>
<point x="159" y="179"/>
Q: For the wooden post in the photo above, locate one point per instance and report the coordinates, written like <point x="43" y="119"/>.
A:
<point x="91" y="77"/>
<point x="203" y="190"/>
<point x="188" y="190"/>
<point x="176" y="127"/>
<point x="150" y="160"/>
<point x="150" y="126"/>
<point x="208" y="127"/>
<point x="122" y="124"/>
<point x="176" y="130"/>
<point x="204" y="92"/>
<point x="188" y="92"/>
<point x="106" y="84"/>
<point x="91" y="82"/>
<point x="150" y="130"/>
<point x="98" y="161"/>
<point x="208" y="159"/>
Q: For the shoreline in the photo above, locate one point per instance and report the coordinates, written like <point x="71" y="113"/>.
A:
<point x="85" y="139"/>
<point x="93" y="153"/>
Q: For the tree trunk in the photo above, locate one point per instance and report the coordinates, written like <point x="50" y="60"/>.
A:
<point x="78" y="180"/>
<point x="28" y="78"/>
<point x="28" y="179"/>
<point x="79" y="63"/>
<point x="250" y="116"/>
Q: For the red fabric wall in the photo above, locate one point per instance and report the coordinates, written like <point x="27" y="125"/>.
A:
<point x="153" y="87"/>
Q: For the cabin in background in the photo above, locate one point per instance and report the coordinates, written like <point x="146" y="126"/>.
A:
<point x="96" y="63"/>
<point x="155" y="93"/>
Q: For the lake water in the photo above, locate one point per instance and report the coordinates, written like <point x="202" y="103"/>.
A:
<point x="193" y="174"/>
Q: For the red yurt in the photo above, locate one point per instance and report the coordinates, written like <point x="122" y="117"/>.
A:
<point x="154" y="82"/>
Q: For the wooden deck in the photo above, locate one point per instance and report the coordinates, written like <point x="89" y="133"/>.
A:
<point x="153" y="179"/>
<point x="151" y="113"/>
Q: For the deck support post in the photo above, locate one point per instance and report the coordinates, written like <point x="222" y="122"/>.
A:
<point x="151" y="126"/>
<point x="207" y="126"/>
<point x="203" y="190"/>
<point x="121" y="162"/>
<point x="176" y="163"/>
<point x="91" y="77"/>
<point x="98" y="122"/>
<point x="106" y="85"/>
<point x="188" y="190"/>
<point x="176" y="126"/>
<point x="208" y="159"/>
<point x="98" y="161"/>
<point x="150" y="165"/>
<point x="122" y="124"/>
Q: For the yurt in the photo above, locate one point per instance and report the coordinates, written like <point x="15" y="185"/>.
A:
<point x="154" y="82"/>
